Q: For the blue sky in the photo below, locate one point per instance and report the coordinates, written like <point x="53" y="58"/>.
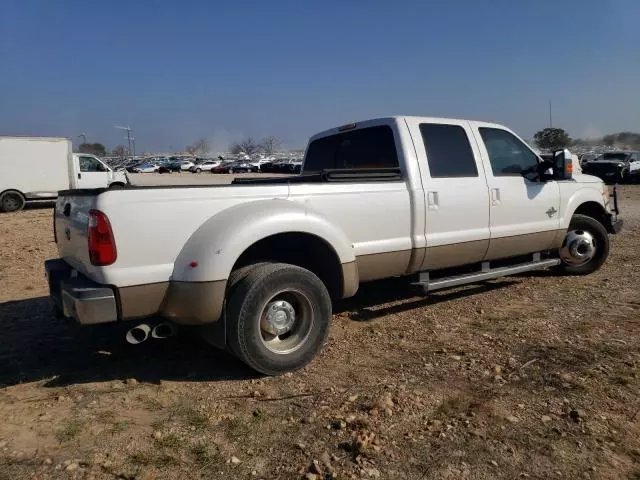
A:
<point x="178" y="71"/>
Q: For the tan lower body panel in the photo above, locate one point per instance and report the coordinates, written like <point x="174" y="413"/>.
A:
<point x="382" y="265"/>
<point x="350" y="279"/>
<point x="559" y="238"/>
<point x="454" y="255"/>
<point x="186" y="303"/>
<point x="194" y="303"/>
<point x="142" y="300"/>
<point x="506" y="247"/>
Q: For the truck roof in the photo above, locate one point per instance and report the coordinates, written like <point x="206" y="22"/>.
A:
<point x="379" y="120"/>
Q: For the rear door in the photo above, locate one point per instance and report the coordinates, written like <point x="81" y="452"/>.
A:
<point x="455" y="189"/>
<point x="90" y="172"/>
<point x="524" y="210"/>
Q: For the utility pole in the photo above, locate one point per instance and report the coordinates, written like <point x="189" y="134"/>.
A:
<point x="550" y="116"/>
<point x="128" y="138"/>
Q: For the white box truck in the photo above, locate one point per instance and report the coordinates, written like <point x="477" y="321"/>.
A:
<point x="36" y="168"/>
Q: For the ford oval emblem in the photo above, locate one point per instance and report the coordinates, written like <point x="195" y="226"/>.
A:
<point x="67" y="233"/>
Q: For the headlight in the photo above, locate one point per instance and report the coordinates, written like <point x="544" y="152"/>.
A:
<point x="621" y="165"/>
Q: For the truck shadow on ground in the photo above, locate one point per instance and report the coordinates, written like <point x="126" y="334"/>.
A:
<point x="38" y="347"/>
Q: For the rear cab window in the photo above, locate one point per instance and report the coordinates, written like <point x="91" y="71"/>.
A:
<point x="369" y="147"/>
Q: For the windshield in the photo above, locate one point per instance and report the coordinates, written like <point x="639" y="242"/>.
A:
<point x="614" y="156"/>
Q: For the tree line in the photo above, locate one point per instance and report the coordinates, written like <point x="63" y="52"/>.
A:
<point x="557" y="138"/>
<point x="248" y="146"/>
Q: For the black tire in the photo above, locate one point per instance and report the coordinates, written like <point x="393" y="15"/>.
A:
<point x="248" y="299"/>
<point x="116" y="185"/>
<point x="584" y="223"/>
<point x="12" y="201"/>
<point x="231" y="170"/>
<point x="623" y="176"/>
<point x="198" y="170"/>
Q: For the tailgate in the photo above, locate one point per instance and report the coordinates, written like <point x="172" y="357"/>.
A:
<point x="71" y="224"/>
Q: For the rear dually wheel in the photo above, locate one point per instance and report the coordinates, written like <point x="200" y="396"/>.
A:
<point x="277" y="317"/>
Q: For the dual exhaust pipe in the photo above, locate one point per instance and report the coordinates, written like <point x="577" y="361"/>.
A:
<point x="142" y="332"/>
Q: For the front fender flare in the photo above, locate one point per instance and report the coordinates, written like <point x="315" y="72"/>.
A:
<point x="579" y="197"/>
<point x="212" y="250"/>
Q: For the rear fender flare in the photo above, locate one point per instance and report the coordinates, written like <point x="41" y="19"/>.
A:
<point x="213" y="249"/>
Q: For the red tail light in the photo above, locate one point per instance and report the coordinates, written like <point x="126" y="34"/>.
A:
<point x="102" y="245"/>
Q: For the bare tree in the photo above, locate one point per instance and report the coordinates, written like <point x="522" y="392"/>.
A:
<point x="248" y="147"/>
<point x="120" y="151"/>
<point x="270" y="144"/>
<point x="199" y="147"/>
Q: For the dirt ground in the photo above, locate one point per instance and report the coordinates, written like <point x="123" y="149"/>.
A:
<point x="533" y="376"/>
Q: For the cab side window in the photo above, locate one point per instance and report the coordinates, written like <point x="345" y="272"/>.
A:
<point x="507" y="154"/>
<point x="449" y="153"/>
<point x="89" y="164"/>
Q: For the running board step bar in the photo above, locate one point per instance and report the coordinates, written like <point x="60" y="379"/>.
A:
<point x="486" y="273"/>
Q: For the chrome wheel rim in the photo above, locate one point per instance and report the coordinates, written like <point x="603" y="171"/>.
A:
<point x="578" y="248"/>
<point x="286" y="322"/>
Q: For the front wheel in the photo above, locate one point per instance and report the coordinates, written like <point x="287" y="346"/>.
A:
<point x="12" y="201"/>
<point x="198" y="170"/>
<point x="277" y="317"/>
<point x="585" y="247"/>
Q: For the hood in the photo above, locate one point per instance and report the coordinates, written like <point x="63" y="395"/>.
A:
<point x="584" y="178"/>
<point x="607" y="162"/>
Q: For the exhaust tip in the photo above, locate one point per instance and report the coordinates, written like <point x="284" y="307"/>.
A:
<point x="164" y="330"/>
<point x="138" y="334"/>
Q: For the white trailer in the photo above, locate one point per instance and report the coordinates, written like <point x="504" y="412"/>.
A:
<point x="36" y="168"/>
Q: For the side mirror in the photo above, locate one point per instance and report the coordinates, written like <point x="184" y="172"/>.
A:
<point x="564" y="164"/>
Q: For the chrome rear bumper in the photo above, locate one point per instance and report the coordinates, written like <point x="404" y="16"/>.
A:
<point x="79" y="298"/>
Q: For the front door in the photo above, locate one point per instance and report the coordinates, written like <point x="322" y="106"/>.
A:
<point x="524" y="209"/>
<point x="91" y="173"/>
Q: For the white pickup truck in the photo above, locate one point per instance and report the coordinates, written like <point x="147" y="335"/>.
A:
<point x="256" y="264"/>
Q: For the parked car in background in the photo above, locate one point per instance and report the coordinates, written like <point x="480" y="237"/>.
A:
<point x="165" y="168"/>
<point x="223" y="167"/>
<point x="204" y="166"/>
<point x="281" y="165"/>
<point x="147" y="168"/>
<point x="185" y="165"/>
<point x="615" y="167"/>
<point x="132" y="167"/>
<point x="295" y="166"/>
<point x="243" y="166"/>
<point x="238" y="166"/>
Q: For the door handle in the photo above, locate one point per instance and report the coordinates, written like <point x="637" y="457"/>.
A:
<point x="79" y="175"/>
<point x="495" y="196"/>
<point x="433" y="200"/>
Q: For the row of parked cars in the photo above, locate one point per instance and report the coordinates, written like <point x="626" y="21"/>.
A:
<point x="219" y="165"/>
<point x="613" y="167"/>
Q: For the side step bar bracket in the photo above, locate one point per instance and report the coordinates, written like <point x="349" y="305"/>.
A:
<point x="486" y="273"/>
